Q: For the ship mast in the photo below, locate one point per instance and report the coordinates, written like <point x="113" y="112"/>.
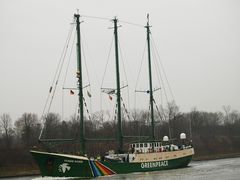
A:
<point x="79" y="76"/>
<point x="119" y="120"/>
<point x="150" y="80"/>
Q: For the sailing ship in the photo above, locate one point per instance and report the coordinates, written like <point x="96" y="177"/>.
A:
<point x="142" y="156"/>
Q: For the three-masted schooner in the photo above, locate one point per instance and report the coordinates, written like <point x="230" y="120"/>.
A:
<point x="151" y="155"/>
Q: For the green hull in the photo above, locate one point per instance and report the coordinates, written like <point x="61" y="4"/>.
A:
<point x="123" y="168"/>
<point x="61" y="165"/>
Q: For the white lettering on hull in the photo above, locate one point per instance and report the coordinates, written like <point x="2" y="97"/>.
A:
<point x="72" y="161"/>
<point x="154" y="164"/>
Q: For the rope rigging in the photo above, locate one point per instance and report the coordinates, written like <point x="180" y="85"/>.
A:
<point x="159" y="71"/>
<point x="124" y="70"/>
<point x="125" y="109"/>
<point x="105" y="70"/>
<point x="161" y="78"/>
<point x="56" y="78"/>
<point x="65" y="77"/>
<point x="161" y="65"/>
<point x="88" y="78"/>
<point x="66" y="54"/>
<point x="157" y="65"/>
<point x="159" y="113"/>
<point x="109" y="19"/>
<point x="58" y="68"/>
<point x="85" y="104"/>
<point x="110" y="91"/>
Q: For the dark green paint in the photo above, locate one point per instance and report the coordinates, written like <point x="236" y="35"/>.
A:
<point x="84" y="170"/>
<point x="124" y="168"/>
<point x="49" y="165"/>
<point x="150" y="82"/>
<point x="120" y="136"/>
<point x="79" y="75"/>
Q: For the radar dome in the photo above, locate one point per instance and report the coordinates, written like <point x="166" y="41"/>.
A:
<point x="182" y="136"/>
<point x="165" y="138"/>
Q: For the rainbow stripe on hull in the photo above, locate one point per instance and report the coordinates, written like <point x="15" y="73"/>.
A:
<point x="99" y="169"/>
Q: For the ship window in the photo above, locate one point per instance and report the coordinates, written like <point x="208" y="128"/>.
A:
<point x="145" y="144"/>
<point x="150" y="144"/>
<point x="141" y="145"/>
<point x="137" y="145"/>
<point x="133" y="145"/>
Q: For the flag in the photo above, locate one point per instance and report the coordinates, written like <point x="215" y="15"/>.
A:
<point x="78" y="74"/>
<point x="110" y="97"/>
<point x="88" y="93"/>
<point x="71" y="92"/>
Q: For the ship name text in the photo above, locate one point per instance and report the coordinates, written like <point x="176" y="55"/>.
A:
<point x="154" y="164"/>
<point x="72" y="161"/>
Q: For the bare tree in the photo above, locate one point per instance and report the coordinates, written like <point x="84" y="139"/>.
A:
<point x="172" y="111"/>
<point x="227" y="111"/>
<point x="28" y="128"/>
<point x="52" y="124"/>
<point x="6" y="126"/>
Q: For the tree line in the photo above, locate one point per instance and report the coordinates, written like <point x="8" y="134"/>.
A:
<point x="210" y="132"/>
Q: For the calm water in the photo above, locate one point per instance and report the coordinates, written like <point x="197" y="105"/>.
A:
<point x="224" y="169"/>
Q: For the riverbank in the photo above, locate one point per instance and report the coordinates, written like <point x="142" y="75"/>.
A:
<point x="31" y="170"/>
<point x="215" y="156"/>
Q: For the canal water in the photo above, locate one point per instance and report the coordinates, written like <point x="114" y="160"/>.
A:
<point x="223" y="169"/>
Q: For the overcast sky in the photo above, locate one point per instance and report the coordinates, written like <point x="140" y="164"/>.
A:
<point x="198" y="42"/>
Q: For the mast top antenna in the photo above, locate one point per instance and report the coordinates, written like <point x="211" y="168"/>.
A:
<point x="148" y="20"/>
<point x="148" y="26"/>
<point x="77" y="14"/>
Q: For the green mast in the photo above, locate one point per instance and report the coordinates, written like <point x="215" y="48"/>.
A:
<point x="150" y="80"/>
<point x="120" y="136"/>
<point x="79" y="76"/>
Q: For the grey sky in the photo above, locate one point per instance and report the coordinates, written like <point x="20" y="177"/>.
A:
<point x="198" y="42"/>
